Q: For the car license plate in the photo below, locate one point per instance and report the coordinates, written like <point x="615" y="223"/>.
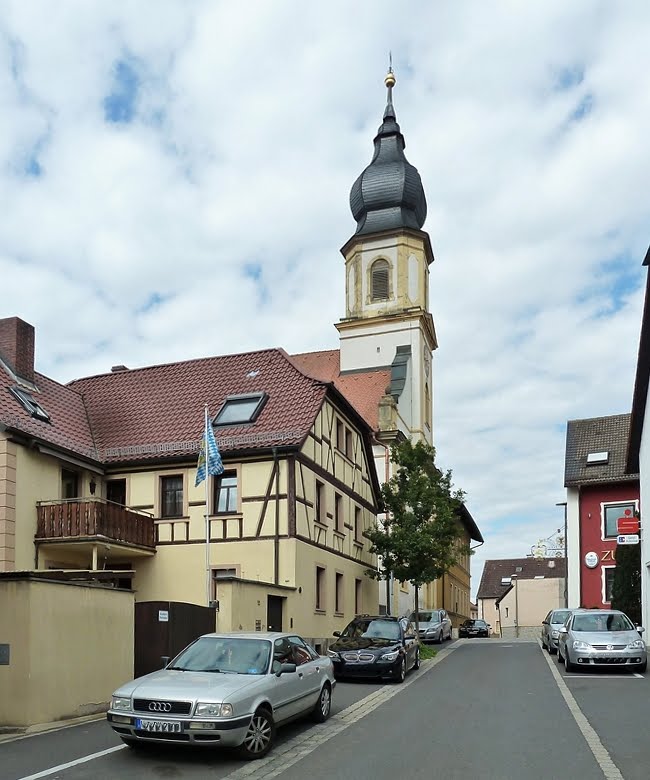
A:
<point x="144" y="724"/>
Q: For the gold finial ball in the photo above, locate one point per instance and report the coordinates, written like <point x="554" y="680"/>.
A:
<point x="389" y="81"/>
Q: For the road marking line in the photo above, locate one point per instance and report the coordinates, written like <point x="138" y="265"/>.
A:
<point x="573" y="676"/>
<point x="285" y="755"/>
<point x="69" y="764"/>
<point x="599" y="752"/>
<point x="4" y="739"/>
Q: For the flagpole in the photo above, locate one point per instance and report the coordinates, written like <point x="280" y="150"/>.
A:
<point x="207" y="511"/>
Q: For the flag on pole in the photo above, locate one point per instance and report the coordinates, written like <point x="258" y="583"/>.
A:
<point x="209" y="457"/>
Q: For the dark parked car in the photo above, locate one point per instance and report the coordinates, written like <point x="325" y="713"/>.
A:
<point x="470" y="628"/>
<point x="375" y="646"/>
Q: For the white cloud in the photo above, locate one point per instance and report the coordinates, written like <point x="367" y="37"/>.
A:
<point x="251" y="122"/>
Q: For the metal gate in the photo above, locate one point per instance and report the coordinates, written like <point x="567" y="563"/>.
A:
<point x="164" y="628"/>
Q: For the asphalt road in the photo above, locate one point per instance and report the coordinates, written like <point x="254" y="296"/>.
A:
<point x="485" y="710"/>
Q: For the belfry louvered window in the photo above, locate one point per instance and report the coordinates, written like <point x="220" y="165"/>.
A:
<point x="379" y="274"/>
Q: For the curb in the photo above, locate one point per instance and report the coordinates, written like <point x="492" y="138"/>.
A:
<point x="13" y="734"/>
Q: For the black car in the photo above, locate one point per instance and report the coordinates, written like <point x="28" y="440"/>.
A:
<point x="375" y="646"/>
<point x="473" y="628"/>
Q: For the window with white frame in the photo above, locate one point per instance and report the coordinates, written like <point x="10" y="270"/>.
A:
<point x="611" y="514"/>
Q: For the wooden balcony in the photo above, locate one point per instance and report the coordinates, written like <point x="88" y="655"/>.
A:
<point x="94" y="518"/>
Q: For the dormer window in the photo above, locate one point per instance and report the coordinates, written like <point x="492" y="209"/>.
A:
<point x="240" y="409"/>
<point x="29" y="404"/>
<point x="379" y="280"/>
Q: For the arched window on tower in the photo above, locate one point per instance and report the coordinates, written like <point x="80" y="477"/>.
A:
<point x="427" y="405"/>
<point x="379" y="280"/>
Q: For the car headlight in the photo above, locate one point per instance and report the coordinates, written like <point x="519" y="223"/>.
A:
<point x="120" y="703"/>
<point x="555" y="634"/>
<point x="332" y="654"/>
<point x="579" y="645"/>
<point x="390" y="656"/>
<point x="637" y="644"/>
<point x="209" y="708"/>
<point x="430" y="630"/>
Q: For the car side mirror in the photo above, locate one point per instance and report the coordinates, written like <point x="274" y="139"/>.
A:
<point x="564" y="630"/>
<point x="336" y="633"/>
<point x="640" y="629"/>
<point x="286" y="669"/>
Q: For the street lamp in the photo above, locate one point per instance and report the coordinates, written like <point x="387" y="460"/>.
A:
<point x="566" y="556"/>
<point x="514" y="577"/>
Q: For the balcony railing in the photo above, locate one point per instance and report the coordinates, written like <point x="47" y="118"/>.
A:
<point x="84" y="517"/>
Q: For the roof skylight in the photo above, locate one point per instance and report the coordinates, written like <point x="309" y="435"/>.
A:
<point x="239" y="409"/>
<point x="594" y="458"/>
<point x="29" y="404"/>
<point x="506" y="581"/>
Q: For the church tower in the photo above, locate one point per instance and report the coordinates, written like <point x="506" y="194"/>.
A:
<point x="387" y="322"/>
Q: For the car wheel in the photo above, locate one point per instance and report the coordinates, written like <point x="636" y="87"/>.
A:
<point x="570" y="667"/>
<point x="259" y="737"/>
<point x="323" y="706"/>
<point x="416" y="663"/>
<point x="641" y="667"/>
<point x="551" y="650"/>
<point x="439" y="638"/>
<point x="401" y="671"/>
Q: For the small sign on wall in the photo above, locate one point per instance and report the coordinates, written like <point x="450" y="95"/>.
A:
<point x="4" y="655"/>
<point x="258" y="625"/>
<point x="163" y="616"/>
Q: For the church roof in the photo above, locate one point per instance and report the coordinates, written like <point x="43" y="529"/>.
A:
<point x="388" y="195"/>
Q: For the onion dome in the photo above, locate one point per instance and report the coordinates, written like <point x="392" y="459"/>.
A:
<point x="388" y="195"/>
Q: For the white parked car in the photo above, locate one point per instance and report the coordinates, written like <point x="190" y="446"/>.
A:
<point x="227" y="690"/>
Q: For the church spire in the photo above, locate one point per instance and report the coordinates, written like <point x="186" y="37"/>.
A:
<point x="388" y="194"/>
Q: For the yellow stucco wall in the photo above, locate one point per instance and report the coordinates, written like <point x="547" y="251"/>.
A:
<point x="70" y="647"/>
<point x="7" y="504"/>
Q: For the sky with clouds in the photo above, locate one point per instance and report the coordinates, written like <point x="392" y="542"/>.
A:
<point x="174" y="181"/>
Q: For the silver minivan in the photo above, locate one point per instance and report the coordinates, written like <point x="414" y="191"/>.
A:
<point x="551" y="626"/>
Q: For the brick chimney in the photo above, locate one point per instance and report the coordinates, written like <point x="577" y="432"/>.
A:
<point x="17" y="346"/>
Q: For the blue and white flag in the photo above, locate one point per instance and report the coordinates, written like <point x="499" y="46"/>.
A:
<point x="210" y="463"/>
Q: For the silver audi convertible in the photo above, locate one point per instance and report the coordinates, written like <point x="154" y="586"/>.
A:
<point x="229" y="690"/>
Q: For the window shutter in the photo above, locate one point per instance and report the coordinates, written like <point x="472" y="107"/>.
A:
<point x="380" y="280"/>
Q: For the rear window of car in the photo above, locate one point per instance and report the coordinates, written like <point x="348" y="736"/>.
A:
<point x="372" y="629"/>
<point x="425" y="617"/>
<point x="560" y="615"/>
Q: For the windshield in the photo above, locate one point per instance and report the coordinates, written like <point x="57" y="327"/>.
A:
<point x="226" y="655"/>
<point x="372" y="629"/>
<point x="560" y="616"/>
<point x="425" y="617"/>
<point x="602" y="622"/>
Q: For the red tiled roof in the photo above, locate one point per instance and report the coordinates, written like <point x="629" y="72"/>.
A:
<point x="68" y="427"/>
<point x="363" y="389"/>
<point x="495" y="570"/>
<point x="158" y="411"/>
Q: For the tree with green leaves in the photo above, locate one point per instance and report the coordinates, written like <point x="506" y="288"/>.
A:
<point x="419" y="539"/>
<point x="626" y="590"/>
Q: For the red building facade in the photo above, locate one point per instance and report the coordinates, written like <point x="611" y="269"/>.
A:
<point x="600" y="507"/>
<point x="599" y="492"/>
